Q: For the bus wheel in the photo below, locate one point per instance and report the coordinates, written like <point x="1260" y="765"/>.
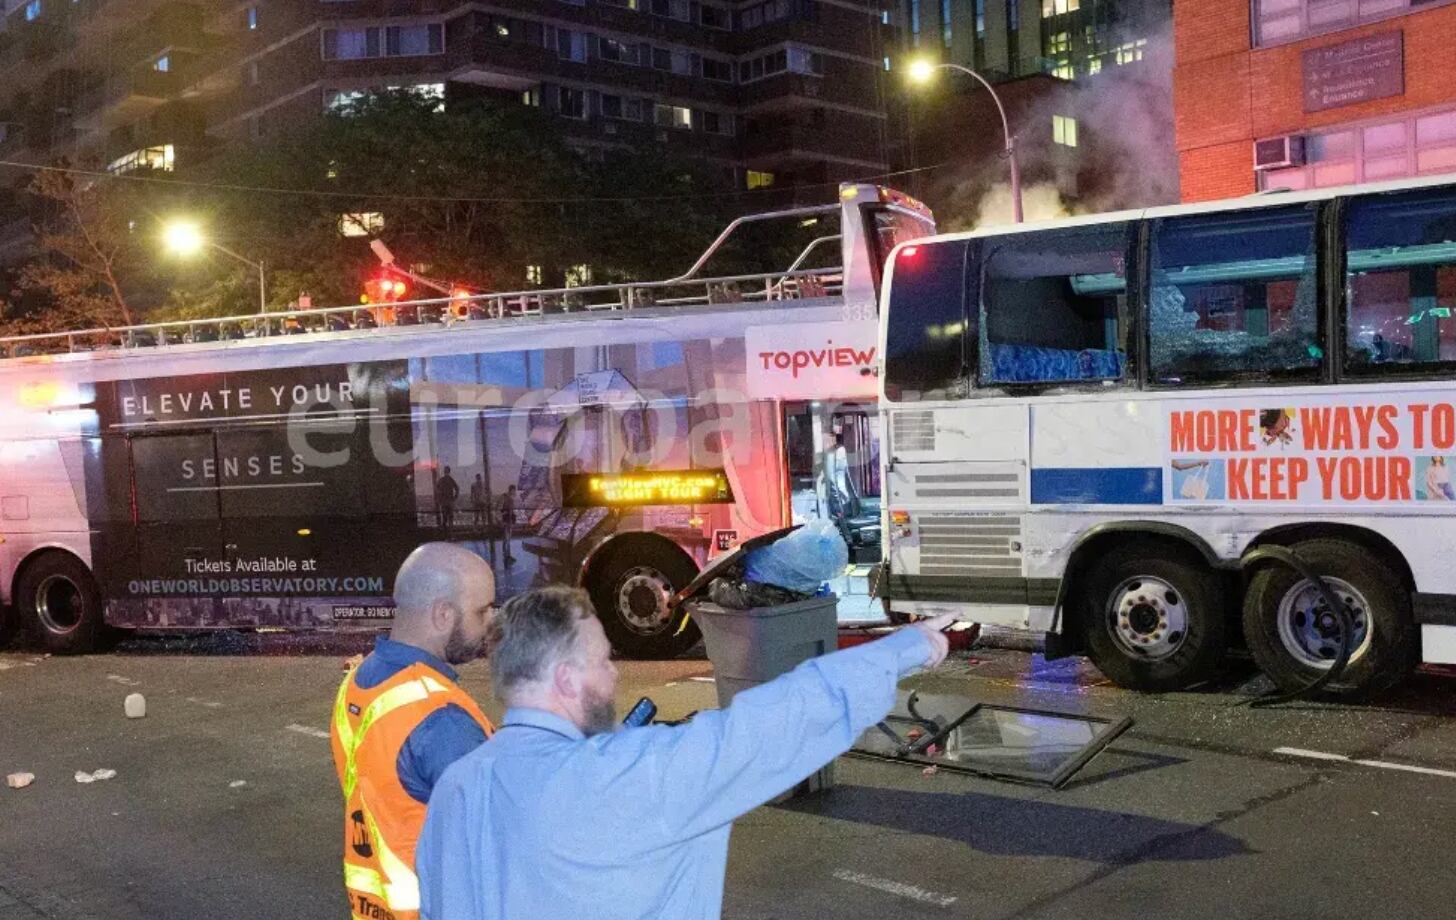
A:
<point x="1294" y="636"/>
<point x="631" y="592"/>
<point x="58" y="601"/>
<point x="1152" y="620"/>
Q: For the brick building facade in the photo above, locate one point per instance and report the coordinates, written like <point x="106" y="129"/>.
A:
<point x="1273" y="94"/>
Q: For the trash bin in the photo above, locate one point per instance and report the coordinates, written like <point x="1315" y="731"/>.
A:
<point x="754" y="646"/>
<point x="751" y="647"/>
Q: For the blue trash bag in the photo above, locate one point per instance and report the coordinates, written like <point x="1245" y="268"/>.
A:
<point x="802" y="561"/>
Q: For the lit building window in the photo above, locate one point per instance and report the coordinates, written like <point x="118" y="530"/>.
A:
<point x="758" y="179"/>
<point x="162" y="157"/>
<point x="252" y="19"/>
<point x="533" y="274"/>
<point x="361" y="223"/>
<point x="342" y="102"/>
<point x="1130" y="51"/>
<point x="1058" y="7"/>
<point x="1064" y="130"/>
<point x="578" y="276"/>
<point x="672" y="116"/>
<point x="162" y="64"/>
<point x="32" y="11"/>
<point x="531" y="97"/>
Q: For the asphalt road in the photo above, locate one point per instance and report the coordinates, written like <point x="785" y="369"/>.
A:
<point x="225" y="804"/>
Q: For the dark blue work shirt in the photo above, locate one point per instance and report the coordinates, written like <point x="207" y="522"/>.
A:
<point x="446" y="735"/>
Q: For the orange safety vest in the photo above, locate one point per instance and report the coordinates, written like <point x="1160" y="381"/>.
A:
<point x="382" y="821"/>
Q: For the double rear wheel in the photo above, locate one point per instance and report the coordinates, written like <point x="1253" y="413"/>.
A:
<point x="1156" y="618"/>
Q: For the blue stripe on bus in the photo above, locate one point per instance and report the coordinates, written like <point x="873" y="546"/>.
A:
<point x="1127" y="485"/>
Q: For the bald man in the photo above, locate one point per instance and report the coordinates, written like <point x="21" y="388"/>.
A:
<point x="401" y="718"/>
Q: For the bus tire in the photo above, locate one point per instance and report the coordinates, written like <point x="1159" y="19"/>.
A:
<point x="1153" y="620"/>
<point x="1288" y="637"/>
<point x="629" y="592"/>
<point x="8" y="628"/>
<point x="58" y="601"/>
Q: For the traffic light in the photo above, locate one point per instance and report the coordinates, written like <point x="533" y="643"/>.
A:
<point x="384" y="289"/>
<point x="460" y="301"/>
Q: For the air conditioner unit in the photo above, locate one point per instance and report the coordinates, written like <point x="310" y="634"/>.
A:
<point x="1279" y="152"/>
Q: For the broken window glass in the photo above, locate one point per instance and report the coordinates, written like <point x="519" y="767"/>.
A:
<point x="1053" y="304"/>
<point x="1234" y="296"/>
<point x="1400" y="281"/>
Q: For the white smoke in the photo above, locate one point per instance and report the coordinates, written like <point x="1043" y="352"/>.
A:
<point x="1125" y="156"/>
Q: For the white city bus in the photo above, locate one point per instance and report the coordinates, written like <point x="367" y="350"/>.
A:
<point x="1092" y="424"/>
<point x="220" y="473"/>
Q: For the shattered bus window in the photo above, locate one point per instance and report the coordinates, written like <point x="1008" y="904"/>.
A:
<point x="1234" y="296"/>
<point x="1052" y="306"/>
<point x="1400" y="281"/>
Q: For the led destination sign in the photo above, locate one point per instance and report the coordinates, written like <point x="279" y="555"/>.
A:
<point x="660" y="487"/>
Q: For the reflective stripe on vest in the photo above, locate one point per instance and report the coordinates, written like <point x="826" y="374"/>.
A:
<point x="413" y="692"/>
<point x="401" y="885"/>
<point x="362" y="878"/>
<point x="397" y="886"/>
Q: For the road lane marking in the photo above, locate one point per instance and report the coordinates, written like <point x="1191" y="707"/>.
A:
<point x="210" y="704"/>
<point x="1378" y="764"/>
<point x="124" y="681"/>
<point x="1309" y="755"/>
<point x="899" y="889"/>
<point x="306" y="730"/>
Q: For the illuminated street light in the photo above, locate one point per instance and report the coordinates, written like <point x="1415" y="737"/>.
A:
<point x="922" y="71"/>
<point x="185" y="238"/>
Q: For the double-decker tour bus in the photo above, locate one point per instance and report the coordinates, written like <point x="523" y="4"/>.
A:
<point x="1093" y="424"/>
<point x="275" y="470"/>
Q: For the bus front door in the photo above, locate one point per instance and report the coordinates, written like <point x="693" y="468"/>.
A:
<point x="833" y="452"/>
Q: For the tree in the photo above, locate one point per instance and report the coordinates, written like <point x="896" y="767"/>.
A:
<point x="86" y="254"/>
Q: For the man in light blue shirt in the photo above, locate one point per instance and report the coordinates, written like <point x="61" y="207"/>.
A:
<point x="559" y="816"/>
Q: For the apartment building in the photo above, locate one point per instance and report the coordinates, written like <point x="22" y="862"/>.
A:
<point x="779" y="92"/>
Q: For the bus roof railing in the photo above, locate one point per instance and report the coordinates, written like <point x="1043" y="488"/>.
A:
<point x="432" y="313"/>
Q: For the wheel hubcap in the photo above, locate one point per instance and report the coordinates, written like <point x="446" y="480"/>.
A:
<point x="642" y="597"/>
<point x="58" y="604"/>
<point x="1310" y="631"/>
<point x="1147" y="617"/>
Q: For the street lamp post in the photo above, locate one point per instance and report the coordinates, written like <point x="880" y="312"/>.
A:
<point x="185" y="238"/>
<point x="922" y="71"/>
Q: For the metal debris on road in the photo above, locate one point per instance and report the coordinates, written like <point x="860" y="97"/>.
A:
<point x="19" y="780"/>
<point x="135" y="706"/>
